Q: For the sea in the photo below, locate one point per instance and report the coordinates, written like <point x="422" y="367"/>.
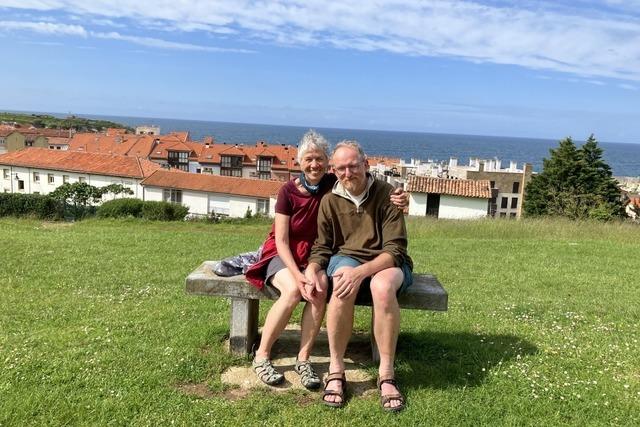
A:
<point x="623" y="158"/>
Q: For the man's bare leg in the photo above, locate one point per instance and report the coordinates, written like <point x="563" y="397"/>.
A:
<point x="386" y="323"/>
<point x="339" y="328"/>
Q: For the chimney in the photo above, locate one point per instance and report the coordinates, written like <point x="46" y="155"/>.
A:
<point x="481" y="166"/>
<point x="453" y="162"/>
<point x="498" y="164"/>
<point x="513" y="166"/>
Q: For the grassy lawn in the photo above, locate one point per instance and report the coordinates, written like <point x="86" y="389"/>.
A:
<point x="542" y="328"/>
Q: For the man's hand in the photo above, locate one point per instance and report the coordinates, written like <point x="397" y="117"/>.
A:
<point x="347" y="281"/>
<point x="399" y="198"/>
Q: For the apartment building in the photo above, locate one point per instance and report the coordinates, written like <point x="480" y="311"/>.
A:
<point x="41" y="171"/>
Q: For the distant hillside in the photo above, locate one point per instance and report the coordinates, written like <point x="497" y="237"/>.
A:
<point x="71" y="122"/>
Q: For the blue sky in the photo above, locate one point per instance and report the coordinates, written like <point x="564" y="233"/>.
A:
<point x="545" y="69"/>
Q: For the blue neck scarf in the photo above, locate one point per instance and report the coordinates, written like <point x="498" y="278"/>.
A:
<point x="312" y="189"/>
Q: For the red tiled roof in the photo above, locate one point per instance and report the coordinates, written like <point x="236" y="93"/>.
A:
<point x="232" y="151"/>
<point x="634" y="201"/>
<point x="453" y="187"/>
<point x="123" y="144"/>
<point x="214" y="183"/>
<point x="388" y="161"/>
<point x="74" y="161"/>
<point x="179" y="147"/>
<point x="58" y="140"/>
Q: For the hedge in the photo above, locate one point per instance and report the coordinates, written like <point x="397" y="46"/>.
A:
<point x="164" y="211"/>
<point x="156" y="211"/>
<point x="121" y="208"/>
<point x="31" y="205"/>
<point x="46" y="207"/>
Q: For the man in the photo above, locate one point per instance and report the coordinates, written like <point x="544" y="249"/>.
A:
<point x="362" y="244"/>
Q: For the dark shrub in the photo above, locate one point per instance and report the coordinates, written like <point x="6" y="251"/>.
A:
<point x="29" y="205"/>
<point x="121" y="208"/>
<point x="164" y="211"/>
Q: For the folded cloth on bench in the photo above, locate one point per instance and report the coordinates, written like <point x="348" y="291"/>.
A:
<point x="237" y="264"/>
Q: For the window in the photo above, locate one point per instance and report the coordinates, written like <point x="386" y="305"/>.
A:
<point x="172" y="195"/>
<point x="5" y="173"/>
<point x="503" y="214"/>
<point x="58" y="147"/>
<point x="264" y="164"/>
<point x="264" y="167"/>
<point x="262" y="206"/>
<point x="512" y="215"/>
<point x="65" y="179"/>
<point x="82" y="179"/>
<point x="36" y="177"/>
<point x="50" y="178"/>
<point x="178" y="160"/>
<point x="231" y="165"/>
<point x="20" y="184"/>
<point x="514" y="202"/>
<point x="207" y="170"/>
<point x="504" y="202"/>
<point x="516" y="187"/>
<point x="51" y="147"/>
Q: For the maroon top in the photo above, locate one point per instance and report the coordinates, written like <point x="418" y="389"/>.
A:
<point x="302" y="210"/>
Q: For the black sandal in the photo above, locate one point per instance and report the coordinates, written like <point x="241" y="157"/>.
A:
<point x="387" y="398"/>
<point x="336" y="376"/>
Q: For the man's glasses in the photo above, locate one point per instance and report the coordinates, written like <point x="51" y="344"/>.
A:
<point x="352" y="167"/>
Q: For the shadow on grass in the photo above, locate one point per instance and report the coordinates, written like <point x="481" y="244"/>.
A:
<point x="423" y="360"/>
<point x="443" y="360"/>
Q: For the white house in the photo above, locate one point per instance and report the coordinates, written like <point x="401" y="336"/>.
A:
<point x="448" y="198"/>
<point x="41" y="170"/>
<point x="213" y="194"/>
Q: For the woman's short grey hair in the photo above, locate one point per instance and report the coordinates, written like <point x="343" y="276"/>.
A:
<point x="354" y="145"/>
<point x="312" y="141"/>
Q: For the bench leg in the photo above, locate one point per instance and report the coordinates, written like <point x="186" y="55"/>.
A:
<point x="244" y="325"/>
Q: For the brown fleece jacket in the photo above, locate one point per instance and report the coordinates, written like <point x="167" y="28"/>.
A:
<point x="363" y="232"/>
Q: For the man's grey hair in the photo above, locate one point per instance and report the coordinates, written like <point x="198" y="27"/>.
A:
<point x="312" y="141"/>
<point x="354" y="145"/>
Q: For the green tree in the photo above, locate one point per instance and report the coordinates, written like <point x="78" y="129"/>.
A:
<point x="576" y="183"/>
<point x="76" y="198"/>
<point x="116" y="189"/>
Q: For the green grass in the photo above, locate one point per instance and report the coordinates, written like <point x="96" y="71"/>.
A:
<point x="542" y="327"/>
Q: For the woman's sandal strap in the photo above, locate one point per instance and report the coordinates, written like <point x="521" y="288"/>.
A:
<point x="267" y="373"/>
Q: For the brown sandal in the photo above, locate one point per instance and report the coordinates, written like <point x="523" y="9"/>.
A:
<point x="336" y="376"/>
<point x="386" y="398"/>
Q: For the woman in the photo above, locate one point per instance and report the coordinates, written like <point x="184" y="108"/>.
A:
<point x="284" y="255"/>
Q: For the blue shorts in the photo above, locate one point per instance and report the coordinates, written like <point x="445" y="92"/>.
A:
<point x="364" y="294"/>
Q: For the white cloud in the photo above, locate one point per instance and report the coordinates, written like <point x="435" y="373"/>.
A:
<point x="43" y="28"/>
<point x="586" y="38"/>
<point x="627" y="86"/>
<point x="163" y="44"/>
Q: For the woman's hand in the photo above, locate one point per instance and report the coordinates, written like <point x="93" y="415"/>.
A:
<point x="303" y="284"/>
<point x="312" y="287"/>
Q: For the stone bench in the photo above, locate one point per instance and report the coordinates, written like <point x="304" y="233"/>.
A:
<point x="426" y="293"/>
